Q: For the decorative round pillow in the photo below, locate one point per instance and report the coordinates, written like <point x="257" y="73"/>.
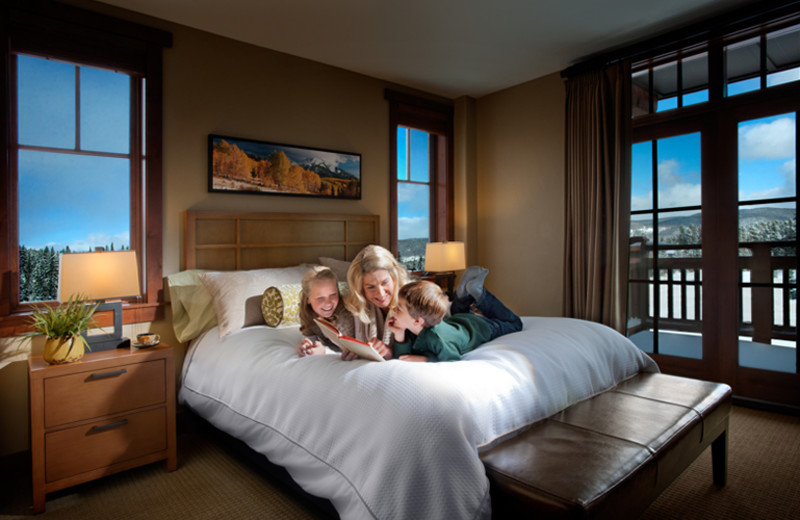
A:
<point x="280" y="305"/>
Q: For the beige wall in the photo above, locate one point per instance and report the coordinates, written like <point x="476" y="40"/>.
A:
<point x="520" y="139"/>
<point x="215" y="85"/>
<point x="508" y="163"/>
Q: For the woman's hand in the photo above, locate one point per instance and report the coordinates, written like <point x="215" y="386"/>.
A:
<point x="348" y="356"/>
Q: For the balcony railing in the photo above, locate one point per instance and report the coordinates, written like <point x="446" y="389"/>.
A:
<point x="767" y="289"/>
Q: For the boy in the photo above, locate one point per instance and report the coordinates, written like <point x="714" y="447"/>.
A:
<point x="423" y="333"/>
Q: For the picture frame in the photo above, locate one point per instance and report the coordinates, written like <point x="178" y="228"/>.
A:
<point x="238" y="165"/>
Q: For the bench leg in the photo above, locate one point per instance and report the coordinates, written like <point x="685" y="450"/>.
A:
<point x="719" y="459"/>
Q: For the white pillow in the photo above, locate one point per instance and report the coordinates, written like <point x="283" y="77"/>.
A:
<point x="236" y="295"/>
<point x="339" y="267"/>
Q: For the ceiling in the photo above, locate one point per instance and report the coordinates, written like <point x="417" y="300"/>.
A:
<point x="450" y="48"/>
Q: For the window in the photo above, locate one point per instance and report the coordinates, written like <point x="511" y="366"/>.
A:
<point x="421" y="194"/>
<point x="712" y="275"/>
<point x="84" y="104"/>
<point x="764" y="61"/>
<point x="413" y="196"/>
<point x="75" y="166"/>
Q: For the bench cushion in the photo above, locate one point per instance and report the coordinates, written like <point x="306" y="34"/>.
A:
<point x="611" y="455"/>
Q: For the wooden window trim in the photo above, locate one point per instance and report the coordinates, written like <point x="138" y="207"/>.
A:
<point x="53" y="29"/>
<point x="435" y="118"/>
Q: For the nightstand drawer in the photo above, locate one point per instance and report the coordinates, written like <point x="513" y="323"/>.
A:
<point x="94" y="393"/>
<point x="88" y="447"/>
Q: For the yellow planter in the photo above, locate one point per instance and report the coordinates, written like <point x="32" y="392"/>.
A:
<point x="63" y="350"/>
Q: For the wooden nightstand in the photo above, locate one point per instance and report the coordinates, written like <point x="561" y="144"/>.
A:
<point x="444" y="280"/>
<point x="111" y="411"/>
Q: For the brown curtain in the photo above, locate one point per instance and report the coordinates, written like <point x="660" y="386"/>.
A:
<point x="597" y="195"/>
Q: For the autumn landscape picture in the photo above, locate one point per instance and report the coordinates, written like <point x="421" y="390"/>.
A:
<point x="246" y="166"/>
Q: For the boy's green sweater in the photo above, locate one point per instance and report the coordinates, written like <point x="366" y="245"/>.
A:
<point x="448" y="340"/>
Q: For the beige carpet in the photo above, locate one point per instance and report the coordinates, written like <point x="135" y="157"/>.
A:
<point x="214" y="482"/>
<point x="763" y="475"/>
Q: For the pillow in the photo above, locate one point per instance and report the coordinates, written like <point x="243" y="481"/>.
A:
<point x="192" y="311"/>
<point x="339" y="267"/>
<point x="280" y="305"/>
<point x="236" y="295"/>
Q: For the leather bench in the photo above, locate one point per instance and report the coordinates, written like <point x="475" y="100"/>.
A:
<point x="611" y="455"/>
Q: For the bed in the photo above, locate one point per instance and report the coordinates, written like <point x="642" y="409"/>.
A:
<point x="378" y="440"/>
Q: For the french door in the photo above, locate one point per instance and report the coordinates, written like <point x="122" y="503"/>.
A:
<point x="713" y="250"/>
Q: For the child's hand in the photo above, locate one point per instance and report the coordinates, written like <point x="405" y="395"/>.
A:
<point x="398" y="332"/>
<point x="381" y="347"/>
<point x="413" y="357"/>
<point x="309" y="348"/>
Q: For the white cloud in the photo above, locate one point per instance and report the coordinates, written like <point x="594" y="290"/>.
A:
<point x="668" y="172"/>
<point x="673" y="188"/>
<point x="412" y="227"/>
<point x="774" y="140"/>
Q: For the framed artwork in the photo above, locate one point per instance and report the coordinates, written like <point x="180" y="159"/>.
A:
<point x="238" y="165"/>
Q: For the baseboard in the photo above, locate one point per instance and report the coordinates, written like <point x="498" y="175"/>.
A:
<point x="766" y="406"/>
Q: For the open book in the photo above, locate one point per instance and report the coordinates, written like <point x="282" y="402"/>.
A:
<point x="363" y="350"/>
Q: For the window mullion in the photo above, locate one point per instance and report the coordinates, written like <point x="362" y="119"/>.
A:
<point x="77" y="108"/>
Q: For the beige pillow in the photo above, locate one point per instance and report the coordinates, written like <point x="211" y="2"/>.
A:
<point x="237" y="295"/>
<point x="339" y="267"/>
<point x="192" y="311"/>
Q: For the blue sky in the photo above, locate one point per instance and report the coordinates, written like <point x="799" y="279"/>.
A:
<point x="412" y="199"/>
<point x="68" y="199"/>
<point x="766" y="165"/>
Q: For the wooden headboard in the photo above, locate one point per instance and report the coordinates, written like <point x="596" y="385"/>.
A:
<point x="228" y="241"/>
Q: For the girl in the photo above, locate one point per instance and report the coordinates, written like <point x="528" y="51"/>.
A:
<point x="374" y="277"/>
<point x="320" y="298"/>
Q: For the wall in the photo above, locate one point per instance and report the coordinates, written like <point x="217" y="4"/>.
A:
<point x="520" y="139"/>
<point x="216" y="85"/>
<point x="508" y="165"/>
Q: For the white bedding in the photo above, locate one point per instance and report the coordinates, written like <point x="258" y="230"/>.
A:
<point x="398" y="440"/>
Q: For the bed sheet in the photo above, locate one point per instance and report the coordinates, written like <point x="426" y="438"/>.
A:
<point x="398" y="440"/>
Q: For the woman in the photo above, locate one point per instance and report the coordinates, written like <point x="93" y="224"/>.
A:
<point x="374" y="277"/>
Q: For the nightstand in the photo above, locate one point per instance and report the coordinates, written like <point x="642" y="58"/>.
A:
<point x="113" y="410"/>
<point x="444" y="280"/>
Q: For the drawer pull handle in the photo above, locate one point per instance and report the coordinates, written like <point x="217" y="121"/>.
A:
<point x="107" y="374"/>
<point x="98" y="429"/>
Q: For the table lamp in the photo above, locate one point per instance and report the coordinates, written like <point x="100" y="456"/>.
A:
<point x="100" y="276"/>
<point x="444" y="257"/>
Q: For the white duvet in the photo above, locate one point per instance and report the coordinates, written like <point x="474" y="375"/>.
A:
<point x="398" y="440"/>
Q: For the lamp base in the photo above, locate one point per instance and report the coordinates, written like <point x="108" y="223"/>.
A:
<point x="113" y="340"/>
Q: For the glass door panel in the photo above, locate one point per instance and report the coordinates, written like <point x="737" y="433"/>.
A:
<point x="665" y="271"/>
<point x="768" y="243"/>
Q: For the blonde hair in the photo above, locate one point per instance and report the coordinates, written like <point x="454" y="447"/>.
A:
<point x="425" y="300"/>
<point x="370" y="259"/>
<point x="317" y="273"/>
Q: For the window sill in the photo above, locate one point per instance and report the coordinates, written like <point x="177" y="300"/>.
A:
<point x="15" y="324"/>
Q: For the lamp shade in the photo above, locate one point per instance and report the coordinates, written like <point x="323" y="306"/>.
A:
<point x="444" y="256"/>
<point x="98" y="276"/>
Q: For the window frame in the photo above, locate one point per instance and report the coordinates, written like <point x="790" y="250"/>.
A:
<point x="49" y="29"/>
<point x="435" y="118"/>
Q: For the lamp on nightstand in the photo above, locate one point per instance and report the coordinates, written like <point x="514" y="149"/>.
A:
<point x="444" y="258"/>
<point x="101" y="276"/>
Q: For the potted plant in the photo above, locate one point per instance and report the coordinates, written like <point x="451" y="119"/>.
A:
<point x="62" y="326"/>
